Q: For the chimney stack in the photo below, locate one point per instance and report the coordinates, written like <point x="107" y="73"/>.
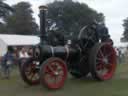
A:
<point x="42" y="15"/>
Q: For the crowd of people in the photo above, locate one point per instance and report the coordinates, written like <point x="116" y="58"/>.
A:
<point x="122" y="55"/>
<point x="13" y="57"/>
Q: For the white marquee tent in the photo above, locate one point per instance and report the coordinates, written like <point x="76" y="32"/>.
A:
<point x="16" y="40"/>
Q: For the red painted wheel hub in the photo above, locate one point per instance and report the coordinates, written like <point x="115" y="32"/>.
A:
<point x="106" y="62"/>
<point x="54" y="73"/>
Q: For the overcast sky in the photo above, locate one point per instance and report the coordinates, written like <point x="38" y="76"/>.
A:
<point x="115" y="12"/>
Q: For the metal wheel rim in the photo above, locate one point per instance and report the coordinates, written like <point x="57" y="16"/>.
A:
<point x="31" y="73"/>
<point x="52" y="70"/>
<point x="105" y="62"/>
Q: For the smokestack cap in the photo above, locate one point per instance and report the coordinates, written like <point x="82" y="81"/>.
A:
<point x="43" y="7"/>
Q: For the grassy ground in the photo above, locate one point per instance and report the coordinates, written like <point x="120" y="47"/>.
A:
<point x="118" y="86"/>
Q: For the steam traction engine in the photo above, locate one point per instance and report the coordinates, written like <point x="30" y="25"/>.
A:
<point x="91" y="52"/>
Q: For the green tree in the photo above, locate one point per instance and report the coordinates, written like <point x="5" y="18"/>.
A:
<point x="22" y="21"/>
<point x="74" y="15"/>
<point x="2" y="28"/>
<point x="125" y="33"/>
<point x="5" y="9"/>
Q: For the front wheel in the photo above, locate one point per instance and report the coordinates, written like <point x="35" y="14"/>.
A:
<point x="53" y="73"/>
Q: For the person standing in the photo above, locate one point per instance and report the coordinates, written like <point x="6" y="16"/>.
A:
<point x="23" y="55"/>
<point x="6" y="62"/>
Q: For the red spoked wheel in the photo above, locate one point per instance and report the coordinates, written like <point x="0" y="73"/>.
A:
<point x="53" y="73"/>
<point x="30" y="72"/>
<point x="103" y="61"/>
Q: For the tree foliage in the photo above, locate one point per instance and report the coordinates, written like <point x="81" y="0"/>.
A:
<point x="2" y="28"/>
<point x="74" y="15"/>
<point x="5" y="9"/>
<point x="21" y="21"/>
<point x="125" y="33"/>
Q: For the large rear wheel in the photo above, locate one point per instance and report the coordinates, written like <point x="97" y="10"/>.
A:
<point x="103" y="61"/>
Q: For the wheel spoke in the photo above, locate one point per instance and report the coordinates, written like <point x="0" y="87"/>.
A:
<point x="36" y="76"/>
<point x="28" y="70"/>
<point x="99" y="67"/>
<point x="104" y="49"/>
<point x="101" y="53"/>
<point x="99" y="59"/>
<point x="108" y="66"/>
<point x="61" y="73"/>
<point x="32" y="75"/>
<point x="48" y="77"/>
<point x="55" y="79"/>
<point x="49" y="72"/>
<point x="108" y="55"/>
<point x="51" y="69"/>
<point x="29" y="73"/>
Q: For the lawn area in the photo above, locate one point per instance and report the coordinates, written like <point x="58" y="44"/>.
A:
<point x="118" y="86"/>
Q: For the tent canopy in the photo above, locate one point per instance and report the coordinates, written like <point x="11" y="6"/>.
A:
<point x="19" y="40"/>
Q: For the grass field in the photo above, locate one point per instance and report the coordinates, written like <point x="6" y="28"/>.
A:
<point x="118" y="86"/>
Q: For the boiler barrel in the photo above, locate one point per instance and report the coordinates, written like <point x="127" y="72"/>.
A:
<point x="63" y="52"/>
